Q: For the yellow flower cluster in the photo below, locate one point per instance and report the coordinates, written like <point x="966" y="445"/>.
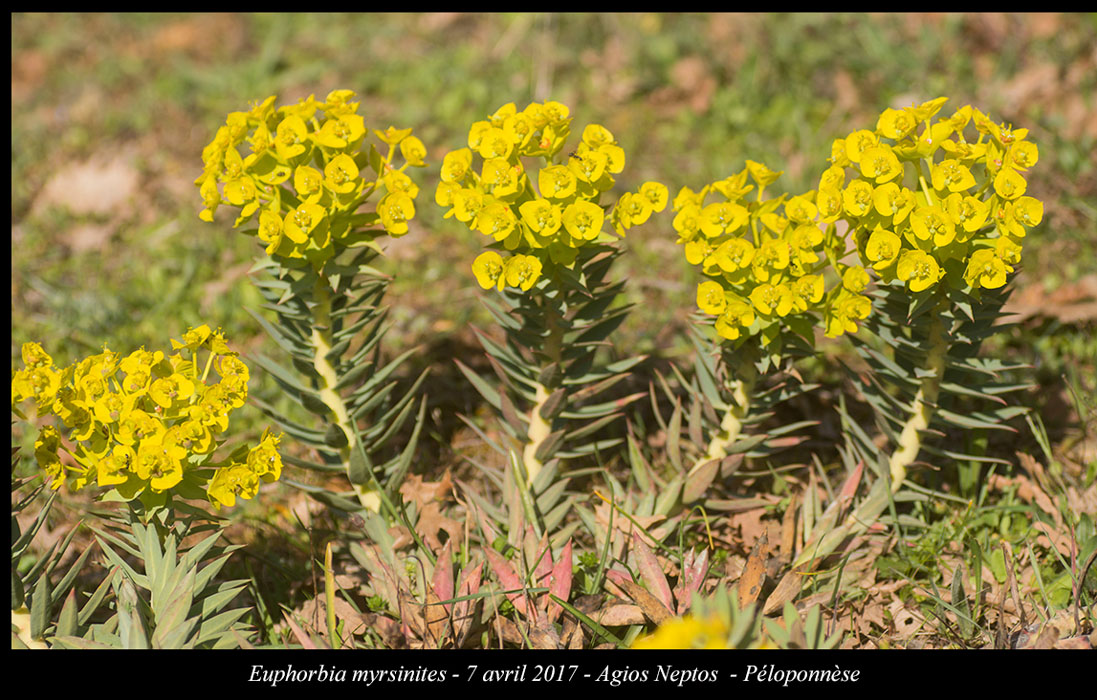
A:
<point x="303" y="174"/>
<point x="548" y="221"/>
<point x="764" y="258"/>
<point x="687" y="632"/>
<point x="146" y="423"/>
<point x="926" y="204"/>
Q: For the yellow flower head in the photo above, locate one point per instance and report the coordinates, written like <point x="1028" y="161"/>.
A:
<point x="845" y="311"/>
<point x="583" y="219"/>
<point x="655" y="194"/>
<point x="522" y="271"/>
<point x="883" y="248"/>
<point x="734" y="254"/>
<point x="711" y="298"/>
<point x="556" y="182"/>
<point x="879" y="163"/>
<point x="1009" y="184"/>
<point x="456" y="165"/>
<point x="952" y="175"/>
<point x="737" y="314"/>
<point x="918" y="269"/>
<point x="933" y="224"/>
<point x="896" y="124"/>
<point x="1024" y="213"/>
<point x="413" y="151"/>
<point x="686" y="633"/>
<point x="857" y="198"/>
<point x="396" y="209"/>
<point x="985" y="269"/>
<point x="770" y="299"/>
<point x="762" y="174"/>
<point x="719" y="218"/>
<point x="855" y="279"/>
<point x="541" y="215"/>
<point x="968" y="212"/>
<point x="497" y="220"/>
<point x="488" y="269"/>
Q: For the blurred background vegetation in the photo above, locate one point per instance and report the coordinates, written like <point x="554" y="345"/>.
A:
<point x="110" y="114"/>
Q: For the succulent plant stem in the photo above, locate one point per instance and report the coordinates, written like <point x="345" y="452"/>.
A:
<point x="539" y="428"/>
<point x="321" y="341"/>
<point x="823" y="542"/>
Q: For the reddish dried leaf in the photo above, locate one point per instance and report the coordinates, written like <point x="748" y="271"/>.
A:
<point x="694" y="569"/>
<point x="301" y="635"/>
<point x="436" y="620"/>
<point x="468" y="585"/>
<point x="560" y="582"/>
<point x="849" y="488"/>
<point x="509" y="579"/>
<point x="651" y="572"/>
<point x="442" y="581"/>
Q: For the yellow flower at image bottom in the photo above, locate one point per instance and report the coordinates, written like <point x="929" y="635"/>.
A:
<point x="686" y="633"/>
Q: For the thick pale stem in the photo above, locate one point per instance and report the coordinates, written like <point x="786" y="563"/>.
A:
<point x="731" y="427"/>
<point x="322" y="343"/>
<point x="925" y="401"/>
<point x="539" y="428"/>
<point x="823" y="542"/>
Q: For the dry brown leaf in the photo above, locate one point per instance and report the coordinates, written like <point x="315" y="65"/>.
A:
<point x="754" y="573"/>
<point x="436" y="619"/>
<point x="1074" y="643"/>
<point x="1053" y="538"/>
<point x="388" y="629"/>
<point x="431" y="522"/>
<point x="576" y="641"/>
<point x="787" y="588"/>
<point x="749" y="523"/>
<point x="411" y="616"/>
<point x="421" y="492"/>
<point x="544" y="635"/>
<point x="620" y="615"/>
<point x="906" y="622"/>
<point x="649" y="604"/>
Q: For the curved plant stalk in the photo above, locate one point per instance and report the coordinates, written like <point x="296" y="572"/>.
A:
<point x="331" y="324"/>
<point x="549" y="380"/>
<point x="942" y="251"/>
<point x="934" y="365"/>
<point x="549" y="261"/>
